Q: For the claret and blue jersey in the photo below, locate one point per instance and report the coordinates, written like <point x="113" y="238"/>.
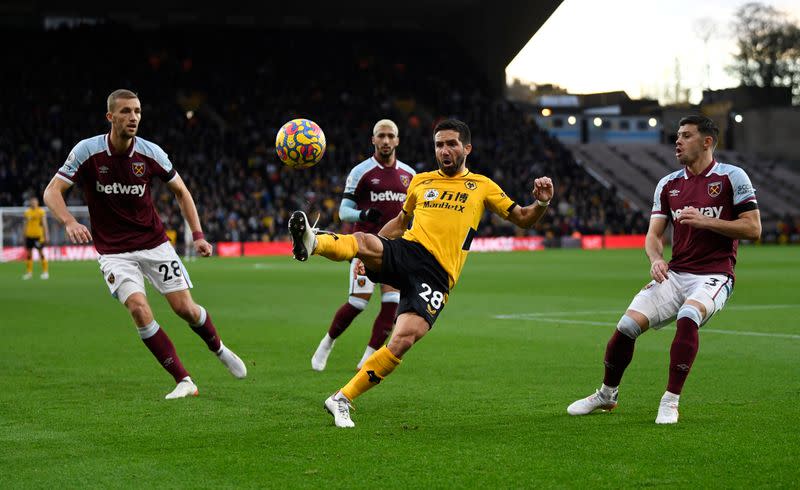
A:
<point x="721" y="191"/>
<point x="372" y="185"/>
<point x="116" y="187"/>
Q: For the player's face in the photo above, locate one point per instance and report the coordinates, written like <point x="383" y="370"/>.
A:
<point x="690" y="144"/>
<point x="385" y="141"/>
<point x="34" y="202"/>
<point x="125" y="118"/>
<point x="451" y="154"/>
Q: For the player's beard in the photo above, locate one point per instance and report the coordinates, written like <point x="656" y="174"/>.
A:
<point x="385" y="155"/>
<point x="122" y="132"/>
<point x="455" y="169"/>
<point x="686" y="158"/>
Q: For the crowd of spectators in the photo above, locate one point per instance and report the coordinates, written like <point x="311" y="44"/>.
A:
<point x="216" y="113"/>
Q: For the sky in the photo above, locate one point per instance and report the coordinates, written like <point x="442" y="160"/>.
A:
<point x="632" y="45"/>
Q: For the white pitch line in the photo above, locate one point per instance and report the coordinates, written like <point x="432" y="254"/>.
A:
<point x="548" y="318"/>
<point x="515" y="316"/>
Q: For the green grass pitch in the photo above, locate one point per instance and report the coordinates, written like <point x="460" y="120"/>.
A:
<point x="480" y="402"/>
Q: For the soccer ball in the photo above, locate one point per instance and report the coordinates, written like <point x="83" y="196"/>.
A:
<point x="300" y="143"/>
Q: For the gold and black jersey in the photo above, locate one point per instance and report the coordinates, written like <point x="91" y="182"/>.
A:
<point x="34" y="223"/>
<point x="446" y="212"/>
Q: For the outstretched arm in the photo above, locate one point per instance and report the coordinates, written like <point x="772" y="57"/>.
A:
<point x="526" y="217"/>
<point x="189" y="211"/>
<point x="54" y="199"/>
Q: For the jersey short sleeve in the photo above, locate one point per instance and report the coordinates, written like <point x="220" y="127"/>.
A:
<point x="744" y="194"/>
<point x="79" y="154"/>
<point x="164" y="169"/>
<point x="660" y="204"/>
<point x="497" y="201"/>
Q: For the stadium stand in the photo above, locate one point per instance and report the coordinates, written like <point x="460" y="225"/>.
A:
<point x="638" y="166"/>
<point x="225" y="150"/>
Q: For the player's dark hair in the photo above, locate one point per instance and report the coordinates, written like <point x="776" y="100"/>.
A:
<point x="119" y="94"/>
<point x="705" y="126"/>
<point x="460" y="127"/>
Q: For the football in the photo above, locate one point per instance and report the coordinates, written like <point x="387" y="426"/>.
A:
<point x="300" y="143"/>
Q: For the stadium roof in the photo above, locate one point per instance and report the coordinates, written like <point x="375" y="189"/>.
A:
<point x="491" y="32"/>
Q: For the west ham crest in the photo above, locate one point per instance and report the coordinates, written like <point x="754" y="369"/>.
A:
<point x="404" y="180"/>
<point x="361" y="282"/>
<point x="111" y="279"/>
<point x="714" y="188"/>
<point x="138" y="168"/>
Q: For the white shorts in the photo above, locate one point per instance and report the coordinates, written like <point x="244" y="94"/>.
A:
<point x="660" y="302"/>
<point x="359" y="284"/>
<point x="124" y="273"/>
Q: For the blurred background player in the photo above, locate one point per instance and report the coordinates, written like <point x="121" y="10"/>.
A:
<point x="711" y="205"/>
<point x="116" y="171"/>
<point x="373" y="194"/>
<point x="35" y="237"/>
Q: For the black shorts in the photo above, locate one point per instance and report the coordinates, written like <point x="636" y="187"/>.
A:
<point x="31" y="243"/>
<point x="423" y="283"/>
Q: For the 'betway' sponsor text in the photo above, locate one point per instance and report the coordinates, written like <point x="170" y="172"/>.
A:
<point x="117" y="188"/>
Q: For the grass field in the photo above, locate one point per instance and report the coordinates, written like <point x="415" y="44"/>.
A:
<point x="480" y="402"/>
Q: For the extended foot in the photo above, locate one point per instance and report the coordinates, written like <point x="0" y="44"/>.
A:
<point x="27" y="276"/>
<point x="231" y="361"/>
<point x="185" y="387"/>
<point x="304" y="238"/>
<point x="45" y="275"/>
<point x="596" y="401"/>
<point x="339" y="406"/>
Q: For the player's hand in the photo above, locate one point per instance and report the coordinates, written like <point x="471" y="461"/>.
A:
<point x="203" y="248"/>
<point x="543" y="189"/>
<point x="77" y="233"/>
<point x="373" y="215"/>
<point x="693" y="217"/>
<point x="658" y="271"/>
<point x="359" y="269"/>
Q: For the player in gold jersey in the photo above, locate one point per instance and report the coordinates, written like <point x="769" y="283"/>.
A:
<point x="424" y="261"/>
<point x="35" y="237"/>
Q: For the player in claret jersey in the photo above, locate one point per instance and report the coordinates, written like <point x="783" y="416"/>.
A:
<point x="711" y="205"/>
<point x="424" y="261"/>
<point x="116" y="171"/>
<point x="374" y="194"/>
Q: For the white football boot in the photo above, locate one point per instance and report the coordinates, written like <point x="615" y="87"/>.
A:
<point x="668" y="409"/>
<point x="185" y="387"/>
<point x="339" y="406"/>
<point x="231" y="361"/>
<point x="45" y="276"/>
<point x="320" y="358"/>
<point x="304" y="239"/>
<point x="27" y="276"/>
<point x="596" y="401"/>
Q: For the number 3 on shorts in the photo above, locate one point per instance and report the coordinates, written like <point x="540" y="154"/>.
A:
<point x="433" y="298"/>
<point x="165" y="269"/>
